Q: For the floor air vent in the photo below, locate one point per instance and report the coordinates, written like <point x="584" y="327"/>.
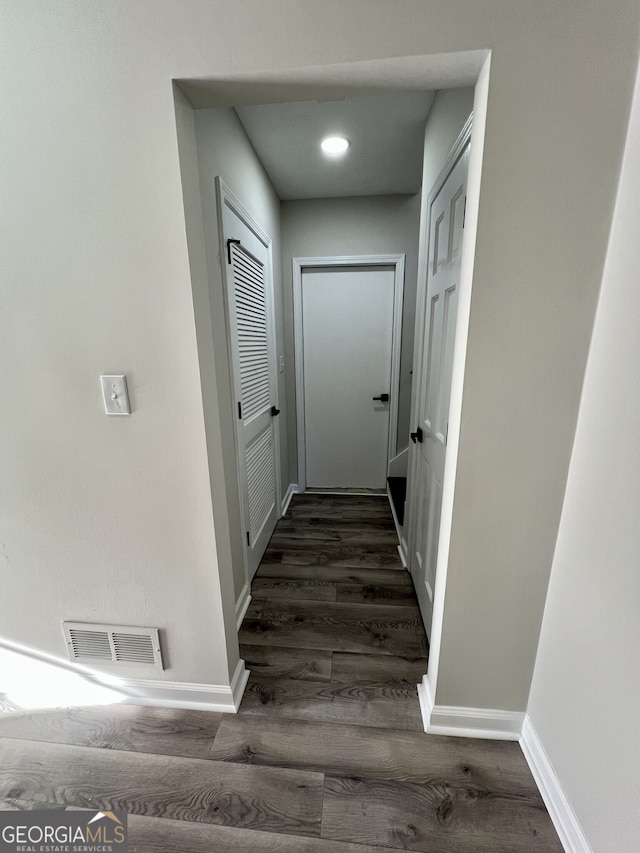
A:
<point x="114" y="644"/>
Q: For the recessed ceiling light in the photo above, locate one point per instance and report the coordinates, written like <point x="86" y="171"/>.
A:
<point x="335" y="145"/>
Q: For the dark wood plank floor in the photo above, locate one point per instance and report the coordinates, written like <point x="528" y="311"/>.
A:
<point x="327" y="753"/>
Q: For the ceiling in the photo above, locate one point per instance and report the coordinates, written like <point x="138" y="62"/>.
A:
<point x="386" y="132"/>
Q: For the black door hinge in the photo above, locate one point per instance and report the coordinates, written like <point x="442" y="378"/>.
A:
<point x="229" y="242"/>
<point x="248" y="539"/>
<point x="240" y="411"/>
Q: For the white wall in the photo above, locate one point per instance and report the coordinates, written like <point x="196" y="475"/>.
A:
<point x="112" y="519"/>
<point x="224" y="150"/>
<point x="586" y="690"/>
<point x="369" y="225"/>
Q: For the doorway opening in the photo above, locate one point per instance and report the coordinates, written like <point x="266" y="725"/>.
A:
<point x="290" y="222"/>
<point x="348" y="329"/>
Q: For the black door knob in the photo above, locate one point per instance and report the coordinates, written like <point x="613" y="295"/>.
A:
<point x="416" y="436"/>
<point x="274" y="411"/>
<point x="383" y="398"/>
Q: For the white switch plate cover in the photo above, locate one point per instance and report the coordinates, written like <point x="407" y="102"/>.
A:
<point x="281" y="364"/>
<point x="116" y="397"/>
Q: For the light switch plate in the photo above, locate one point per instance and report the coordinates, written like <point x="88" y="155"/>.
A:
<point x="116" y="398"/>
<point x="281" y="364"/>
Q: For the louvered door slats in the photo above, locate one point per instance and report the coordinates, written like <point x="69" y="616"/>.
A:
<point x="251" y="324"/>
<point x="255" y="383"/>
<point x="260" y="476"/>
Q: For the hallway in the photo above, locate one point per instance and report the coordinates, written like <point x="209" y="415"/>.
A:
<point x="335" y="644"/>
<point x="333" y="633"/>
<point x="327" y="753"/>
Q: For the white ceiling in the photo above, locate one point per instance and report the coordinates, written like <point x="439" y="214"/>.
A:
<point x="386" y="132"/>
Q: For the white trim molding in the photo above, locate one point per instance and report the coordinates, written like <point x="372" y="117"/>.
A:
<point x="425" y="697"/>
<point x="299" y="264"/>
<point x="487" y="723"/>
<point x="242" y="605"/>
<point x="238" y="684"/>
<point x="142" y="691"/>
<point x="393" y="512"/>
<point x="177" y="694"/>
<point x="294" y="489"/>
<point x="560" y="811"/>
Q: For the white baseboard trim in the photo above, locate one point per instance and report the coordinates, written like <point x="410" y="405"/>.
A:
<point x="142" y="691"/>
<point x="239" y="683"/>
<point x="487" y="723"/>
<point x="401" y="551"/>
<point x="242" y="605"/>
<point x="425" y="697"/>
<point x="393" y="512"/>
<point x="293" y="489"/>
<point x="563" y="816"/>
<point x="177" y="694"/>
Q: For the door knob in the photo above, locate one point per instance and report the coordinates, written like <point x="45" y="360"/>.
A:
<point x="274" y="411"/>
<point x="383" y="398"/>
<point x="417" y="436"/>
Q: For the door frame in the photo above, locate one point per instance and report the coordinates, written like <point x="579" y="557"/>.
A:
<point x="226" y="198"/>
<point x="299" y="265"/>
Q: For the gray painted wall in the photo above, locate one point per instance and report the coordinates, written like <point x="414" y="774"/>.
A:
<point x="586" y="691"/>
<point x="224" y="150"/>
<point x="451" y="109"/>
<point x="212" y="385"/>
<point x="352" y="226"/>
<point x="536" y="277"/>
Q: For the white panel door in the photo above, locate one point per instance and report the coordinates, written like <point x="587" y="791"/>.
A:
<point x="430" y="437"/>
<point x="347" y="326"/>
<point x="252" y="342"/>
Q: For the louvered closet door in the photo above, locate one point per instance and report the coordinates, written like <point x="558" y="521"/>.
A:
<point x="249" y="299"/>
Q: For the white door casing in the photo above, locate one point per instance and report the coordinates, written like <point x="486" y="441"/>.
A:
<point x="348" y="316"/>
<point x="247" y="263"/>
<point x="436" y="347"/>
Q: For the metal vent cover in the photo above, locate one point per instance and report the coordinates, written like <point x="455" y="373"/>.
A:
<point x="113" y="644"/>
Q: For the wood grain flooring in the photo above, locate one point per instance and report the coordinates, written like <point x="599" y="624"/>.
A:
<point x="337" y="626"/>
<point x="162" y="731"/>
<point x="397" y="814"/>
<point x="192" y="789"/>
<point x="327" y="752"/>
